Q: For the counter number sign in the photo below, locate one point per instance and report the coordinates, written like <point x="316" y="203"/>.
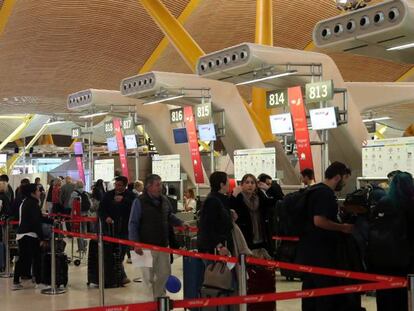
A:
<point x="76" y="132"/>
<point x="203" y="113"/>
<point x="109" y="129"/>
<point x="276" y="98"/>
<point x="128" y="125"/>
<point x="319" y="91"/>
<point x="176" y="115"/>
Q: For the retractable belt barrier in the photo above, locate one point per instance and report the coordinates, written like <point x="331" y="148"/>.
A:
<point x="12" y="222"/>
<point x="376" y="282"/>
<point x="286" y="238"/>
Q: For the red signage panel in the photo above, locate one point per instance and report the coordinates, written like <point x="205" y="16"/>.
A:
<point x="297" y="109"/>
<point x="193" y="143"/>
<point x="121" y="147"/>
<point x="81" y="171"/>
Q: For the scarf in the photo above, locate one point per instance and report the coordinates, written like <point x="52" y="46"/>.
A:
<point x="252" y="203"/>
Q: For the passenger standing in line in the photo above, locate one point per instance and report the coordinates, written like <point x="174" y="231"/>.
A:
<point x="10" y="192"/>
<point x="14" y="209"/>
<point x="269" y="187"/>
<point x="56" y="205"/>
<point x="318" y="245"/>
<point x="253" y="210"/>
<point x="4" y="204"/>
<point x="216" y="220"/>
<point x="395" y="214"/>
<point x="151" y="216"/>
<point x="307" y="177"/>
<point x="49" y="203"/>
<point x="42" y="191"/>
<point x="29" y="236"/>
<point x="65" y="193"/>
<point x="114" y="211"/>
<point x="190" y="203"/>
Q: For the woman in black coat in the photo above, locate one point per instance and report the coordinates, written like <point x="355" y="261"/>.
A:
<point x="29" y="236"/>
<point x="253" y="210"/>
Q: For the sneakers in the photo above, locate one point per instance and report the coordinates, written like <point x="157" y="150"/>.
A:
<point x="41" y="286"/>
<point x="17" y="286"/>
<point x="125" y="281"/>
<point x="129" y="260"/>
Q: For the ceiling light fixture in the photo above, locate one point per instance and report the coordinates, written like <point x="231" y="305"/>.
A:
<point x="55" y="122"/>
<point x="93" y="115"/>
<point x="402" y="47"/>
<point x="163" y="100"/>
<point x="376" y="119"/>
<point x="278" y="75"/>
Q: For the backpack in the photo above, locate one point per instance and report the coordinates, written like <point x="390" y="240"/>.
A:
<point x="388" y="244"/>
<point x="292" y="212"/>
<point x="85" y="202"/>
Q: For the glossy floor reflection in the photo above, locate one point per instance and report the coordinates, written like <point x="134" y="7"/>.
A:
<point x="79" y="295"/>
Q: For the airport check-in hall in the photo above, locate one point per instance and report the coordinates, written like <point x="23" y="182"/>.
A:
<point x="207" y="155"/>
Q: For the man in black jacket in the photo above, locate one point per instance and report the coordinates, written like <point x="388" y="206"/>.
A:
<point x="114" y="213"/>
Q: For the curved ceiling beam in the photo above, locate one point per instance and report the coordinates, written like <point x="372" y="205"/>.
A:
<point x="18" y="131"/>
<point x="5" y="13"/>
<point x="149" y="63"/>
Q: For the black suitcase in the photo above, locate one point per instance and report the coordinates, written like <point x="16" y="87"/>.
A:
<point x="112" y="264"/>
<point x="61" y="269"/>
<point x="286" y="252"/>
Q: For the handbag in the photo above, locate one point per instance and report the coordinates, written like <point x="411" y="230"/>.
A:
<point x="218" y="275"/>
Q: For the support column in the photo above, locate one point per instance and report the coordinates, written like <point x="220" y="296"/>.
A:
<point x="264" y="36"/>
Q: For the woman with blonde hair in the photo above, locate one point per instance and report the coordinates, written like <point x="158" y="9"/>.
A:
<point x="190" y="202"/>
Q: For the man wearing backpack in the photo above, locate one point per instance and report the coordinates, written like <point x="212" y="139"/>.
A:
<point x="320" y="237"/>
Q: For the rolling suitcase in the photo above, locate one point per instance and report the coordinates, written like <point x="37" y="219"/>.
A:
<point x="210" y="292"/>
<point x="286" y="252"/>
<point x="193" y="271"/>
<point x="61" y="269"/>
<point x="262" y="280"/>
<point x="112" y="265"/>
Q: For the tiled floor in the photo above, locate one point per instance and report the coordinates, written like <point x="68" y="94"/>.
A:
<point x="79" y="295"/>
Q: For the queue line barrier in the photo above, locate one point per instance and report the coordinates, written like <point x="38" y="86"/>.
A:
<point x="251" y="260"/>
<point x="379" y="282"/>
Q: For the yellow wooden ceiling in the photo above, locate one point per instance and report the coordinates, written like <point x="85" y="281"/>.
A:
<point x="52" y="48"/>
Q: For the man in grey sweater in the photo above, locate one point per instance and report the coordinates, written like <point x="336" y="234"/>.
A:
<point x="151" y="215"/>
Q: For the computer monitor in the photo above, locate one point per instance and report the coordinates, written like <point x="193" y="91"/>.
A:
<point x="78" y="148"/>
<point x="180" y="135"/>
<point x="207" y="132"/>
<point x="112" y="144"/>
<point x="324" y="118"/>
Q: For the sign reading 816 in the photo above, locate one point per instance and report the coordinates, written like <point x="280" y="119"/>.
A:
<point x="176" y="115"/>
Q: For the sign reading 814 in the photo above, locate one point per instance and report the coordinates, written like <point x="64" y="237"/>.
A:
<point x="275" y="99"/>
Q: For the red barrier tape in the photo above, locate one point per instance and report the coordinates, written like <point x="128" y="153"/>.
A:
<point x="286" y="238"/>
<point x="189" y="229"/>
<point x="76" y="234"/>
<point x="82" y="219"/>
<point x="146" y="306"/>
<point x="325" y="271"/>
<point x="256" y="261"/>
<point x="12" y="222"/>
<point x="209" y="302"/>
<point x="58" y="215"/>
<point x="250" y="299"/>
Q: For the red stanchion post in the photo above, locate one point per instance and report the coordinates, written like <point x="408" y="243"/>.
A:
<point x="163" y="304"/>
<point x="7" y="273"/>
<point x="242" y="280"/>
<point x="410" y="287"/>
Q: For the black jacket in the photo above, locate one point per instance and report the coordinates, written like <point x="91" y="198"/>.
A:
<point x="244" y="220"/>
<point x="119" y="212"/>
<point x="31" y="218"/>
<point x="5" y="207"/>
<point x="215" y="224"/>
